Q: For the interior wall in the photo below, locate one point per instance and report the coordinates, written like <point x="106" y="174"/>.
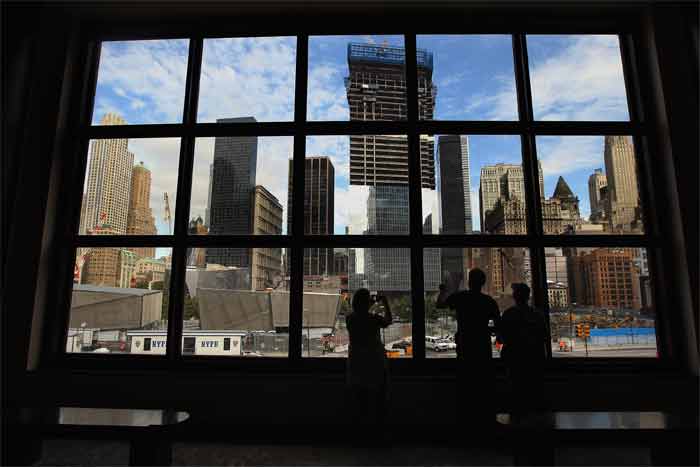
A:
<point x="34" y="71"/>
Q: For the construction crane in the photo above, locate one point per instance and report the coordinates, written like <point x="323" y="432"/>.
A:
<point x="168" y="217"/>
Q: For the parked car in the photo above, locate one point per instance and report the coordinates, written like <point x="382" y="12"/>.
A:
<point x="450" y="344"/>
<point x="401" y="345"/>
<point x="436" y="344"/>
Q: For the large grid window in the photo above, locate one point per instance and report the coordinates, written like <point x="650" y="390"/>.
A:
<point x="238" y="191"/>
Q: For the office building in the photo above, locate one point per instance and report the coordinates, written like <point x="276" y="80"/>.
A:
<point x="555" y="263"/>
<point x="557" y="295"/>
<point x="455" y="188"/>
<point x="623" y="193"/>
<point x="606" y="278"/>
<point x="340" y="263"/>
<point x="111" y="267"/>
<point x="140" y="220"/>
<point x="597" y="190"/>
<point x="266" y="270"/>
<point x="232" y="193"/>
<point x="376" y="90"/>
<point x="149" y="270"/>
<point x="502" y="181"/>
<point x="319" y="210"/>
<point x="108" y="181"/>
<point x="197" y="256"/>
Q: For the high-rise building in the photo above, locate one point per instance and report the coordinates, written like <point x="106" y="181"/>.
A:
<point x="502" y="181"/>
<point x="232" y="193"/>
<point x="83" y="206"/>
<point x="108" y="181"/>
<point x="140" y="220"/>
<point x="608" y="279"/>
<point x="207" y="210"/>
<point x="110" y="267"/>
<point x="623" y="193"/>
<point x="596" y="182"/>
<point x="455" y="188"/>
<point x="319" y="210"/>
<point x="555" y="262"/>
<point x="197" y="257"/>
<point x="376" y="90"/>
<point x="340" y="264"/>
<point x="266" y="270"/>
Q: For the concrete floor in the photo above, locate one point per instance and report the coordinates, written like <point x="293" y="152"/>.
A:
<point x="88" y="453"/>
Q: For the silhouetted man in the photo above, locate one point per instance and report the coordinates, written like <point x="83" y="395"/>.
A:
<point x="367" y="364"/>
<point x="522" y="332"/>
<point x="475" y="375"/>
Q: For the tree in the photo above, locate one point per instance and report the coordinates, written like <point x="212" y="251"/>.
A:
<point x="191" y="310"/>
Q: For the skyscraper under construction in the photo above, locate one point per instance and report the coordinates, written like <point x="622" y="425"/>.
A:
<point x="376" y="90"/>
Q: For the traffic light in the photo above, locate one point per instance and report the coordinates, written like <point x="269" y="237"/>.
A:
<point x="579" y="330"/>
<point x="587" y="330"/>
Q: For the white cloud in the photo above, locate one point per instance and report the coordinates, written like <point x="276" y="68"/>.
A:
<point x="152" y="72"/>
<point x="327" y="98"/>
<point x="562" y="155"/>
<point x="581" y="81"/>
<point x="248" y="77"/>
<point x="351" y="209"/>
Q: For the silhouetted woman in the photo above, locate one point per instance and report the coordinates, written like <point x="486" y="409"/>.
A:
<point x="367" y="364"/>
<point x="522" y="332"/>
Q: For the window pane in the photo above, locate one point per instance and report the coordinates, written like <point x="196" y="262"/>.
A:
<point x="593" y="184"/>
<point x="359" y="184"/>
<point x="247" y="77"/>
<point x="247" y="304"/>
<point x="577" y="78"/>
<point x="328" y="297"/>
<point x="466" y="78"/>
<point x="607" y="290"/>
<point x="130" y="187"/>
<point x="239" y="186"/>
<point x="141" y="82"/>
<point x="479" y="189"/>
<point x="356" y="78"/>
<point x="120" y="298"/>
<point x="451" y="267"/>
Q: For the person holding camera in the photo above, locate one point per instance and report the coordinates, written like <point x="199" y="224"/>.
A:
<point x="367" y="367"/>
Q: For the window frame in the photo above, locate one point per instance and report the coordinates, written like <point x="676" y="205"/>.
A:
<point x="622" y="22"/>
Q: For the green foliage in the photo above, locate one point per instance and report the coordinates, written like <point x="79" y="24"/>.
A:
<point x="191" y="310"/>
<point x="401" y="307"/>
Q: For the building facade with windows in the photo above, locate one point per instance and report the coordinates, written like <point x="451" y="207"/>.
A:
<point x="108" y="181"/>
<point x="232" y="193"/>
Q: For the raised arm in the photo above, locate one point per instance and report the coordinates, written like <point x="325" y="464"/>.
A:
<point x="387" y="313"/>
<point x="443" y="297"/>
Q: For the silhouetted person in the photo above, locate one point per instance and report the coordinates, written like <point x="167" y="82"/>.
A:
<point x="522" y="332"/>
<point x="367" y="364"/>
<point x="475" y="374"/>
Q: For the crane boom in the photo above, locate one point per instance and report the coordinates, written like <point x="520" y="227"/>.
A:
<point x="168" y="217"/>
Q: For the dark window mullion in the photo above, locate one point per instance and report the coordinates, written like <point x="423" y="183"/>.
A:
<point x="651" y="218"/>
<point x="182" y="206"/>
<point x="533" y="200"/>
<point x="296" y="302"/>
<point x="414" y="202"/>
<point x="58" y="331"/>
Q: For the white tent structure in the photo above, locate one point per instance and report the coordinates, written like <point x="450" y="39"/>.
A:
<point x="244" y="310"/>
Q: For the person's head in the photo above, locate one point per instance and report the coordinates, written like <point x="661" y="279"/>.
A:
<point x="521" y="293"/>
<point x="477" y="279"/>
<point x="360" y="301"/>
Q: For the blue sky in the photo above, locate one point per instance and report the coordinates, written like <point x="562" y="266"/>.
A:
<point x="573" y="78"/>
